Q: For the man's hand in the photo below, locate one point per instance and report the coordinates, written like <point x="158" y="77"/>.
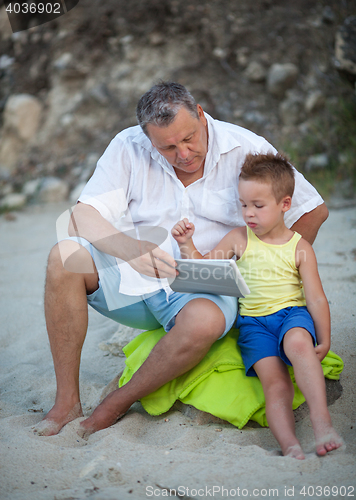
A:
<point x="147" y="258"/>
<point x="183" y="231"/>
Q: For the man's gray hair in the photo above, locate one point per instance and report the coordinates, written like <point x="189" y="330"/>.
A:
<point x="160" y="105"/>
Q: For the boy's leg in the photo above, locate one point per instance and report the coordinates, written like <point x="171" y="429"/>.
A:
<point x="279" y="392"/>
<point x="298" y="347"/>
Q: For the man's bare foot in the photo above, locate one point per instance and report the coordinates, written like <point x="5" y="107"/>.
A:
<point x="107" y="413"/>
<point x="56" y="419"/>
<point x="294" y="451"/>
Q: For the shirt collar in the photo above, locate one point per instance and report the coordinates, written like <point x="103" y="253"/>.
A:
<point x="221" y="141"/>
<point x="142" y="140"/>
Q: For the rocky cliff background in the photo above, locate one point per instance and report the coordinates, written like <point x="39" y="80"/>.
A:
<point x="284" y="69"/>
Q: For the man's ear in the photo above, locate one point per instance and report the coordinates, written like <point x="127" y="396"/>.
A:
<point x="286" y="203"/>
<point x="201" y="114"/>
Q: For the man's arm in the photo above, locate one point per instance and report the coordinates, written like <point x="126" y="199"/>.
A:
<point x="143" y="256"/>
<point x="309" y="223"/>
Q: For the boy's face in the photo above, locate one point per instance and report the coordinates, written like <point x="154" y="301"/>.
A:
<point x="260" y="210"/>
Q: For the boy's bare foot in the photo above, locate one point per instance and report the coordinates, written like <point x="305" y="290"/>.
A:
<point x="326" y="437"/>
<point x="107" y="413"/>
<point x="328" y="442"/>
<point x="56" y="419"/>
<point x="294" y="451"/>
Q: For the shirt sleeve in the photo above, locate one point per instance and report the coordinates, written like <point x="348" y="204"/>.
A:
<point x="109" y="187"/>
<point x="305" y="199"/>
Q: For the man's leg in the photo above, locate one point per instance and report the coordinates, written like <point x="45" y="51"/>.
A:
<point x="198" y="325"/>
<point x="66" y="312"/>
<point x="279" y="392"/>
<point x="299" y="349"/>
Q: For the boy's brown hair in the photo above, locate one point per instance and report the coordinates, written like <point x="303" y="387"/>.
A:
<point x="270" y="168"/>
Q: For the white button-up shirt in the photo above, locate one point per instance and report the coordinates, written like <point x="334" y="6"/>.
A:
<point x="134" y="185"/>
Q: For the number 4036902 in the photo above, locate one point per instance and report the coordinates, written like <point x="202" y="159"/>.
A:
<point x="34" y="8"/>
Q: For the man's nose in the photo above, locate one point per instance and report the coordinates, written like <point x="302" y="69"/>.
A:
<point x="182" y="151"/>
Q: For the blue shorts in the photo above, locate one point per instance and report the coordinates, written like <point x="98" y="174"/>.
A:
<point x="262" y="336"/>
<point x="149" y="311"/>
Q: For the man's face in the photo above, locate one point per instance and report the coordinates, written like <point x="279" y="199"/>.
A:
<point x="184" y="143"/>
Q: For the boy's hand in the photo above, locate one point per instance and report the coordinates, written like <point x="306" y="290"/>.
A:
<point x="183" y="231"/>
<point x="321" y="351"/>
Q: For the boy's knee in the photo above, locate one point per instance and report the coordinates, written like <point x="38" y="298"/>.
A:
<point x="297" y="342"/>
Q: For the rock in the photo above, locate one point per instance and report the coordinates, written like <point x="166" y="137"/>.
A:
<point x="100" y="94"/>
<point x="53" y="190"/>
<point x="10" y="152"/>
<point x="242" y="56"/>
<point x="290" y="110"/>
<point x="156" y="38"/>
<point x="68" y="68"/>
<point x="30" y="188"/>
<point x="255" y="72"/>
<point x="5" y="27"/>
<point x="281" y="77"/>
<point x="220" y="53"/>
<point x="316" y="162"/>
<point x="13" y="201"/>
<point x="328" y="15"/>
<point x="254" y="118"/>
<point x="22" y="115"/>
<point x="63" y="62"/>
<point x="314" y="101"/>
<point x="6" y="189"/>
<point x="6" y="61"/>
<point x="345" y="47"/>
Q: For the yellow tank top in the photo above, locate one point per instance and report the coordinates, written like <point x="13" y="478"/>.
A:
<point x="271" y="275"/>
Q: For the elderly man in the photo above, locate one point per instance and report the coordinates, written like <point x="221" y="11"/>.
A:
<point x="179" y="162"/>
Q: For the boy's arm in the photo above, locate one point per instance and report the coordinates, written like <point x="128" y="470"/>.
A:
<point x="182" y="232"/>
<point x="316" y="300"/>
<point x="233" y="243"/>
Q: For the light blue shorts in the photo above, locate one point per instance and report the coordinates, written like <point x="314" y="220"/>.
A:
<point x="262" y="336"/>
<point x="146" y="312"/>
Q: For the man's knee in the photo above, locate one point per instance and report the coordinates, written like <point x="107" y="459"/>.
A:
<point x="202" y="320"/>
<point x="69" y="260"/>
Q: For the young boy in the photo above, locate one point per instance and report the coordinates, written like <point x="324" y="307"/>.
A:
<point x="276" y="328"/>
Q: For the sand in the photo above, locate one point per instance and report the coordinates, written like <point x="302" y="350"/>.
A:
<point x="181" y="452"/>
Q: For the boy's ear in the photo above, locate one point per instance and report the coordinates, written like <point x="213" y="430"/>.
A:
<point x="286" y="203"/>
